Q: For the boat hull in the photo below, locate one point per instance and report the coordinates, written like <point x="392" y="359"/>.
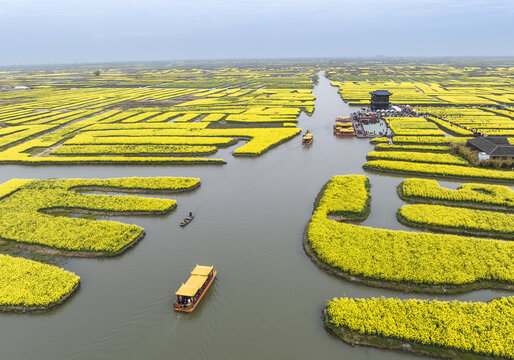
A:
<point x="184" y="223"/>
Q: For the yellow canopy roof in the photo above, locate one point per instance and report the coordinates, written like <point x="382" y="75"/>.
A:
<point x="192" y="285"/>
<point x="201" y="270"/>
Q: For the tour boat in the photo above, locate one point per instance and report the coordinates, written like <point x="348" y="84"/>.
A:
<point x="307" y="139"/>
<point x="191" y="293"/>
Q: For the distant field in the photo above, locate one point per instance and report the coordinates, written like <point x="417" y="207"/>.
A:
<point x="137" y="115"/>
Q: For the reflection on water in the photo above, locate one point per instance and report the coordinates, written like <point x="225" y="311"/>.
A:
<point x="250" y="216"/>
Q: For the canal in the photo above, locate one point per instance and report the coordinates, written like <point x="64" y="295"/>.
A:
<point x="250" y="216"/>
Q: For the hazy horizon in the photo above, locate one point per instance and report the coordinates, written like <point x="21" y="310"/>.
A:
<point x="50" y="32"/>
<point x="451" y="60"/>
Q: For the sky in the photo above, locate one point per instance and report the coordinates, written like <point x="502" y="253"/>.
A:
<point x="92" y="31"/>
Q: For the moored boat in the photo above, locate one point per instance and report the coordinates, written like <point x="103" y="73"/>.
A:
<point x="344" y="129"/>
<point x="191" y="293"/>
<point x="344" y="133"/>
<point x="343" y="119"/>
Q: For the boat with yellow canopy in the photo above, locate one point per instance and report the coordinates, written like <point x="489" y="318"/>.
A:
<point x="307" y="138"/>
<point x="191" y="293"/>
<point x="344" y="128"/>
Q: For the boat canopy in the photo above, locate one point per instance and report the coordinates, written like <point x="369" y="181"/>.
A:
<point x="192" y="285"/>
<point x="195" y="282"/>
<point x="202" y="270"/>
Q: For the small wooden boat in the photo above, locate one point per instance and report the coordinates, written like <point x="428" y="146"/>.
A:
<point x="187" y="219"/>
<point x="307" y="138"/>
<point x="192" y="292"/>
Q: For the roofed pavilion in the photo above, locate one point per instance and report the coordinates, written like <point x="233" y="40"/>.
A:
<point x="380" y="99"/>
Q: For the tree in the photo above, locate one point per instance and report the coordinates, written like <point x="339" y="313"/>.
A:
<point x="97" y="73"/>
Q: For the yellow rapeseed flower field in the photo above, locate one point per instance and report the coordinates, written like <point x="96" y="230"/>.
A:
<point x="425" y="190"/>
<point x="439" y="217"/>
<point x="26" y="214"/>
<point x="401" y="256"/>
<point x="482" y="328"/>
<point x="442" y="170"/>
<point x="27" y="283"/>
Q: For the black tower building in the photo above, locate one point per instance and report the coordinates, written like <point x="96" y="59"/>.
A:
<point x="380" y="99"/>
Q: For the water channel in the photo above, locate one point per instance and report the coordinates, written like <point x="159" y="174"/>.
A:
<point x="250" y="216"/>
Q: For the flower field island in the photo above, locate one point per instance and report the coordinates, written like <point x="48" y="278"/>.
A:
<point x="182" y="119"/>
<point x="421" y="262"/>
<point x="450" y="217"/>
<point x="412" y="156"/>
<point x="31" y="213"/>
<point x="439" y="170"/>
<point x="27" y="285"/>
<point x="453" y="330"/>
<point x="334" y="197"/>
<point x="457" y="220"/>
<point x="473" y="195"/>
<point x="400" y="260"/>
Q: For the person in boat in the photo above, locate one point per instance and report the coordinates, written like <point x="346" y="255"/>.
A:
<point x="188" y="218"/>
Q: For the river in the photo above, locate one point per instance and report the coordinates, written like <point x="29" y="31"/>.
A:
<point x="250" y="216"/>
